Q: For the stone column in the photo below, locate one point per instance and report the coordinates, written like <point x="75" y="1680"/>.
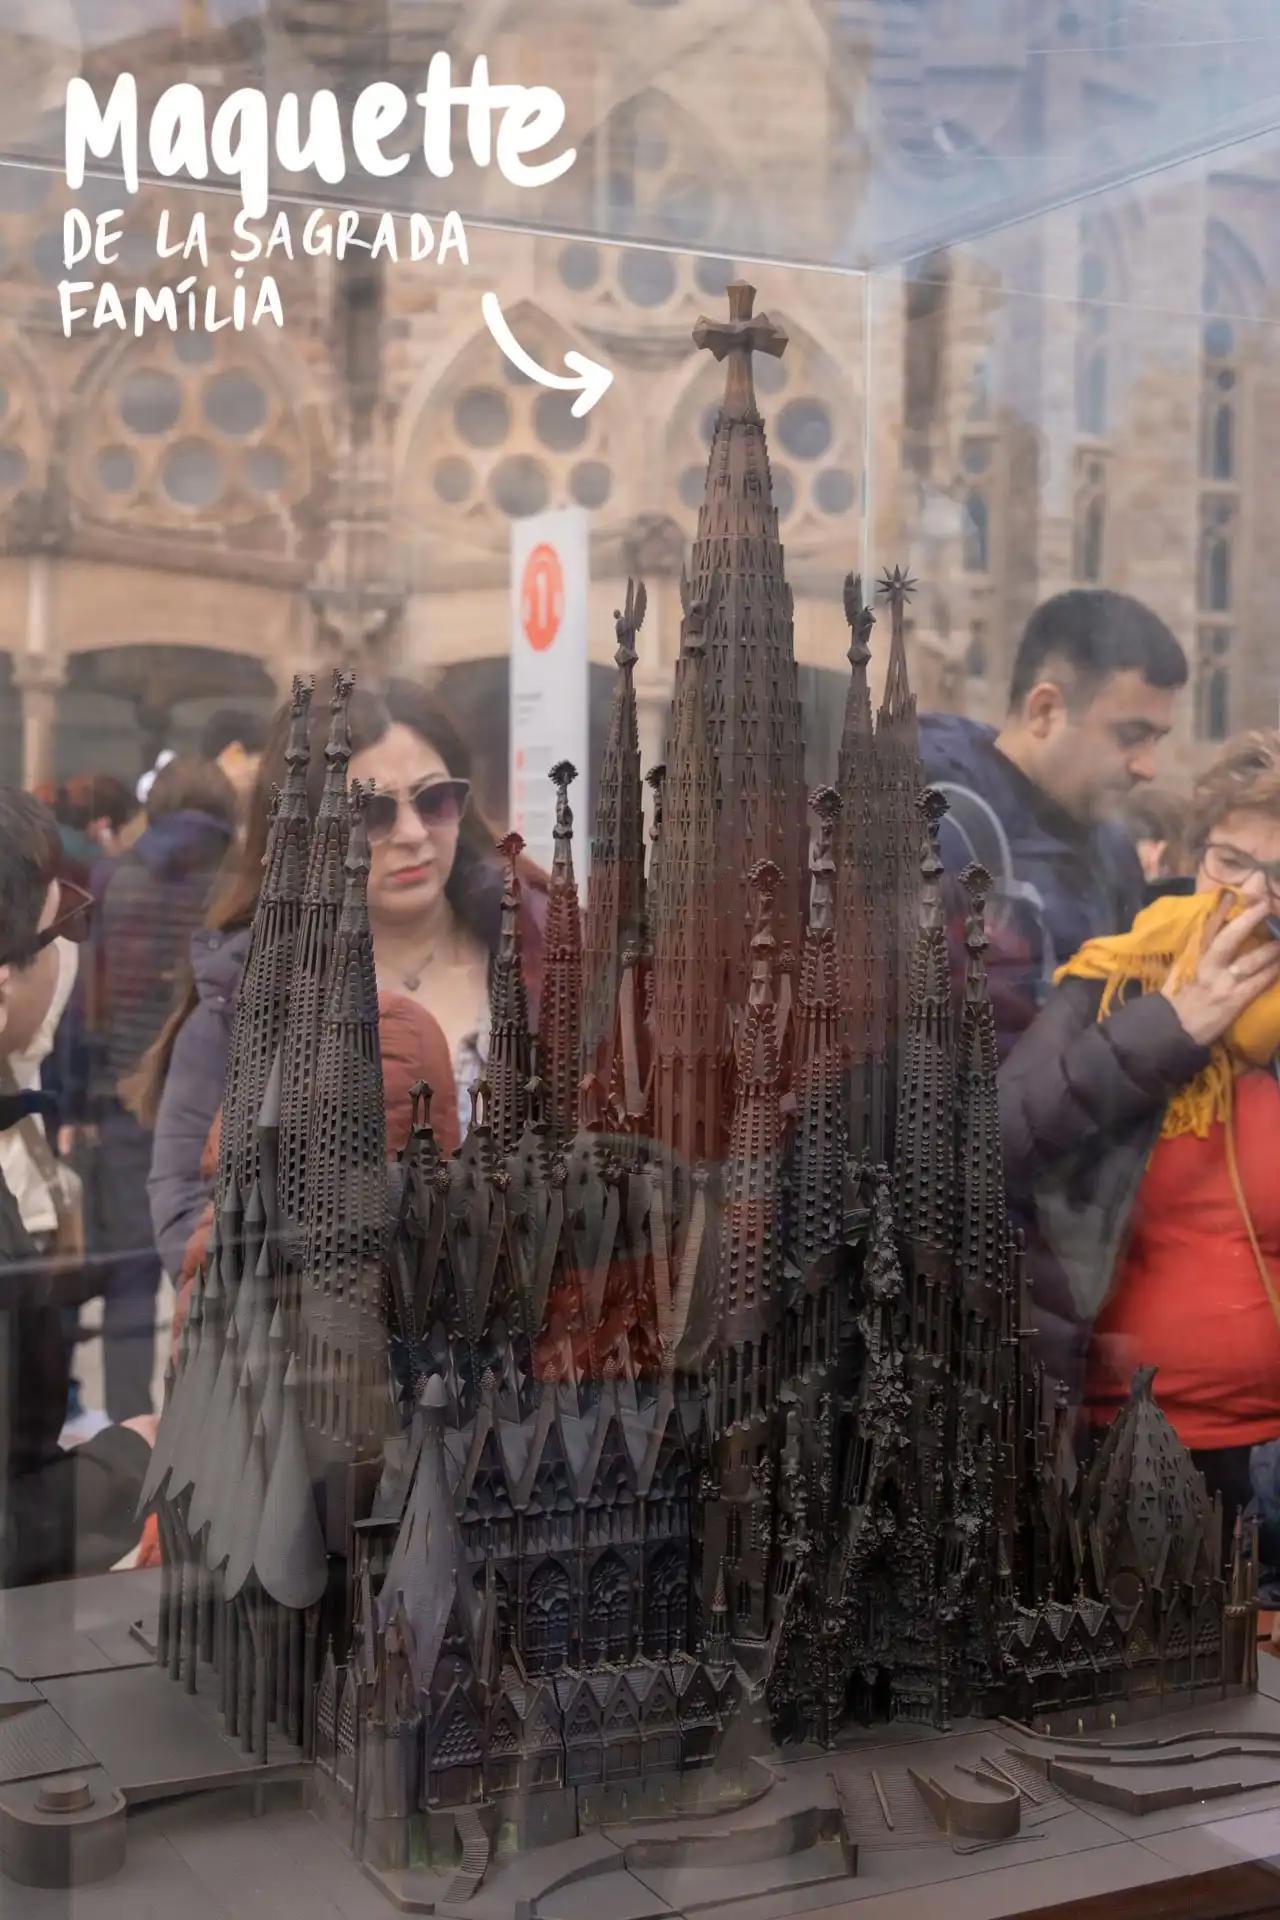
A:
<point x="38" y="678"/>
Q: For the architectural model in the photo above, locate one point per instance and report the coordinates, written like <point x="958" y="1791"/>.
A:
<point x="687" y="1413"/>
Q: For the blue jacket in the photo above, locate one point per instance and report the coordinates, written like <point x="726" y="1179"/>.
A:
<point x="1071" y="881"/>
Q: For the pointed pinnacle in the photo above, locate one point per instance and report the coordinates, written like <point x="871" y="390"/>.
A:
<point x="511" y="846"/>
<point x="895" y="586"/>
<point x="826" y="803"/>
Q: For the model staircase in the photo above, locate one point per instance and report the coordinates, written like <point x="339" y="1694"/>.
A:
<point x="475" y="1855"/>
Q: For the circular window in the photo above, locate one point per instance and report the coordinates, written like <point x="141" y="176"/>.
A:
<point x="1226" y="380"/>
<point x="769" y="372"/>
<point x="23" y="189"/>
<point x="266" y="470"/>
<point x="649" y="279"/>
<point x="454" y="480"/>
<point x="579" y="266"/>
<point x="13" y="468"/>
<point x="482" y="417"/>
<point x="804" y="428"/>
<point x="714" y="277"/>
<point x="192" y="474"/>
<point x="235" y="403"/>
<point x="692" y="486"/>
<point x="590" y="483"/>
<point x="117" y="469"/>
<point x="833" y="490"/>
<point x="554" y="422"/>
<point x="784" y="492"/>
<point x="977" y="457"/>
<point x="193" y="349"/>
<point x="519" y="486"/>
<point x="150" y="401"/>
<point x="1219" y="340"/>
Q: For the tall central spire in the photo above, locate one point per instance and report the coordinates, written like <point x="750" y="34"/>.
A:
<point x="753" y="710"/>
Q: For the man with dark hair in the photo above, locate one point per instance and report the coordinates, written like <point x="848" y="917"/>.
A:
<point x="234" y="741"/>
<point x="1038" y="801"/>
<point x="59" y="1512"/>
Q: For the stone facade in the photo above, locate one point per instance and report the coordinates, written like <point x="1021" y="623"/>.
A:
<point x="1090" y="395"/>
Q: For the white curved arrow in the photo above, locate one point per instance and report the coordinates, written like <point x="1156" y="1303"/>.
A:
<point x="590" y="381"/>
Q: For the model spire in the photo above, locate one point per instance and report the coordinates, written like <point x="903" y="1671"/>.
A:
<point x="508" y="1065"/>
<point x="342" y="1280"/>
<point x="690" y="1020"/>
<point x="321" y="905"/>
<point x="262" y="1001"/>
<point x="983" y="1233"/>
<point x="560" y="1014"/>
<point x="863" y="914"/>
<point x="615" y="891"/>
<point x="753" y="709"/>
<point x="751" y="1266"/>
<point x="925" y="1153"/>
<point x="819" y="1128"/>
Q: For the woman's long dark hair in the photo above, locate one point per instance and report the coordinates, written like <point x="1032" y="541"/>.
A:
<point x="473" y="889"/>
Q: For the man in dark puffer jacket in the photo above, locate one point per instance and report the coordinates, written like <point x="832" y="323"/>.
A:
<point x="1092" y="695"/>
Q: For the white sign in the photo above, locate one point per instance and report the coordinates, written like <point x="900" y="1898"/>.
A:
<point x="549" y="581"/>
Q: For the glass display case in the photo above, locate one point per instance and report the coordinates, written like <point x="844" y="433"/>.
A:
<point x="534" y="1076"/>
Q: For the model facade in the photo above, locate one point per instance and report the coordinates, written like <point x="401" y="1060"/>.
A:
<point x="689" y="1407"/>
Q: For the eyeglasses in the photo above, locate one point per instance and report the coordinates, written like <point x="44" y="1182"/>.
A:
<point x="1229" y="866"/>
<point x="70" y="922"/>
<point x="441" y="803"/>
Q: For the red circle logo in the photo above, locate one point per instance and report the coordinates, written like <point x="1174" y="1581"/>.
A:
<point x="542" y="597"/>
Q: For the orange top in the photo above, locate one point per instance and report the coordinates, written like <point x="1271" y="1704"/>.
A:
<point x="1189" y="1298"/>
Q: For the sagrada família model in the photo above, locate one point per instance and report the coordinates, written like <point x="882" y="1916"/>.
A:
<point x="688" y="1409"/>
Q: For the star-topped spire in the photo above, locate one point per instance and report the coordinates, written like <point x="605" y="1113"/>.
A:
<point x="896" y="589"/>
<point x="736" y="339"/>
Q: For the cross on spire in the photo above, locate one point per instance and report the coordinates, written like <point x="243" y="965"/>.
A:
<point x="736" y="339"/>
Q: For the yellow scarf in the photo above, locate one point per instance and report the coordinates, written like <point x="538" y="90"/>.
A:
<point x="1162" y="950"/>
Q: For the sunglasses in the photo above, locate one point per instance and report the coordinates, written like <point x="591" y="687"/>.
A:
<point x="440" y="804"/>
<point x="70" y="922"/>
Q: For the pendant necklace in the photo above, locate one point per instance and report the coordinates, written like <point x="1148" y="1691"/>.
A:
<point x="412" y="981"/>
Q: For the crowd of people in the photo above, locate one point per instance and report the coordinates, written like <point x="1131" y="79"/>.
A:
<point x="1135" y="968"/>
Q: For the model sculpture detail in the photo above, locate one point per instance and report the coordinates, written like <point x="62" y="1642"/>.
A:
<point x="689" y="1407"/>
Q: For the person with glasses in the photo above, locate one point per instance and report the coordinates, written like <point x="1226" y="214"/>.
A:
<point x="60" y="1512"/>
<point x="1141" y="1124"/>
<point x="435" y="893"/>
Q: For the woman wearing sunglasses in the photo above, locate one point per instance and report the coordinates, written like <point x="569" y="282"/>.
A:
<point x="435" y="893"/>
<point x="1141" y="1120"/>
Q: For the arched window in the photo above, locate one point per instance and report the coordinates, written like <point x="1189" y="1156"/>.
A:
<point x="1213" y="684"/>
<point x="1091" y="380"/>
<point x="974" y="537"/>
<point x="608" y="1635"/>
<point x="1089" y="537"/>
<point x="667" y="1603"/>
<point x="546" y="1619"/>
<point x="1216" y="556"/>
<point x="1095" y="291"/>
